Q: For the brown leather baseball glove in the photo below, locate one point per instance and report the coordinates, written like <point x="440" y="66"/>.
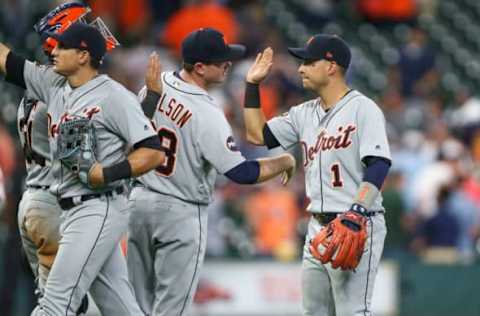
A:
<point x="342" y="241"/>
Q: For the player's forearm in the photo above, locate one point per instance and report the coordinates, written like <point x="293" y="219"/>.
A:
<point x="138" y="162"/>
<point x="272" y="167"/>
<point x="143" y="160"/>
<point x="253" y="115"/>
<point x="254" y="123"/>
<point x="373" y="178"/>
<point x="4" y="51"/>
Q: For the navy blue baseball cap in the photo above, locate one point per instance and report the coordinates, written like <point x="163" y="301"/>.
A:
<point x="85" y="37"/>
<point x="208" y="45"/>
<point x="323" y="46"/>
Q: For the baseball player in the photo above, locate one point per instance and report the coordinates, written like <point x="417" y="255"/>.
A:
<point x="93" y="120"/>
<point x="168" y="224"/>
<point x="346" y="158"/>
<point x="39" y="212"/>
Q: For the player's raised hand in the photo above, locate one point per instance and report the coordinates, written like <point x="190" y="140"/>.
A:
<point x="4" y="50"/>
<point x="261" y="67"/>
<point x="288" y="174"/>
<point x="152" y="76"/>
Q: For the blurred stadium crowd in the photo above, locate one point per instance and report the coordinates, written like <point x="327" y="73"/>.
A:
<point x="415" y="57"/>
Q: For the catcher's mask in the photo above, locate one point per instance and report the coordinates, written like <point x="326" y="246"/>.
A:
<point x="58" y="20"/>
<point x="62" y="17"/>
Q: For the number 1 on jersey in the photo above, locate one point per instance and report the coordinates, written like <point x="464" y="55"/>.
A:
<point x="168" y="143"/>
<point x="336" y="179"/>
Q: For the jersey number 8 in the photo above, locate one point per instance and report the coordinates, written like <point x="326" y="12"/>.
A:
<point x="169" y="144"/>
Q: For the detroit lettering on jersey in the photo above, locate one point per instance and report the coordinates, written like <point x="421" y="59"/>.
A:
<point x="325" y="142"/>
<point x="119" y="126"/>
<point x="174" y="110"/>
<point x="334" y="144"/>
<point x="88" y="112"/>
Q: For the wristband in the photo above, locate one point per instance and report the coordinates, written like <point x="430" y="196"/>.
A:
<point x="121" y="170"/>
<point x="149" y="104"/>
<point x="366" y="195"/>
<point x="252" y="96"/>
<point x="358" y="208"/>
<point x="14" y="67"/>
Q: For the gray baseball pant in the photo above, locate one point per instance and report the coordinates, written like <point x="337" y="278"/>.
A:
<point x="89" y="258"/>
<point x="333" y="292"/>
<point x="166" y="248"/>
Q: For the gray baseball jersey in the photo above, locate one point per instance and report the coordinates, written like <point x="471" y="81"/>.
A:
<point x="197" y="140"/>
<point x="334" y="144"/>
<point x="38" y="212"/>
<point x="89" y="255"/>
<point x="163" y="259"/>
<point x="32" y="125"/>
<point x="116" y="115"/>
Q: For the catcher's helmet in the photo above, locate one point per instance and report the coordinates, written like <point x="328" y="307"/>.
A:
<point x="58" y="20"/>
<point x="62" y="17"/>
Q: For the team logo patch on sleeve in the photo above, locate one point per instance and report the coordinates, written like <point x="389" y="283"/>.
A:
<point x="231" y="144"/>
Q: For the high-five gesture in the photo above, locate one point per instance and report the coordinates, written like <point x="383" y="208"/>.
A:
<point x="261" y="67"/>
<point x="4" y="50"/>
<point x="152" y="76"/>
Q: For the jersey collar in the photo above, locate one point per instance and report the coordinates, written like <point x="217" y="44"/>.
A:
<point x="344" y="100"/>
<point x="176" y="83"/>
<point x="89" y="84"/>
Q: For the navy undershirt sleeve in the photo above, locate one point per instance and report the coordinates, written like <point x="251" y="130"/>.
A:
<point x="376" y="171"/>
<point x="245" y="173"/>
<point x="268" y="138"/>
<point x="14" y="69"/>
<point x="152" y="142"/>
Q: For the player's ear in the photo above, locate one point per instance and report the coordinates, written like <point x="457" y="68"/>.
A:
<point x="333" y="68"/>
<point x="83" y="57"/>
<point x="199" y="68"/>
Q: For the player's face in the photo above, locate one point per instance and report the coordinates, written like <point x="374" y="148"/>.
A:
<point x="315" y="74"/>
<point x="66" y="61"/>
<point x="216" y="72"/>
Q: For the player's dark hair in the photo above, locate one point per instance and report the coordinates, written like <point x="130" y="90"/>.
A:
<point x="343" y="71"/>
<point x="188" y="67"/>
<point x="95" y="63"/>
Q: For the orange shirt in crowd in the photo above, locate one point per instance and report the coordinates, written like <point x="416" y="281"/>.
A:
<point x="128" y="14"/>
<point x="388" y="10"/>
<point x="269" y="100"/>
<point x="272" y="214"/>
<point x="192" y="17"/>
